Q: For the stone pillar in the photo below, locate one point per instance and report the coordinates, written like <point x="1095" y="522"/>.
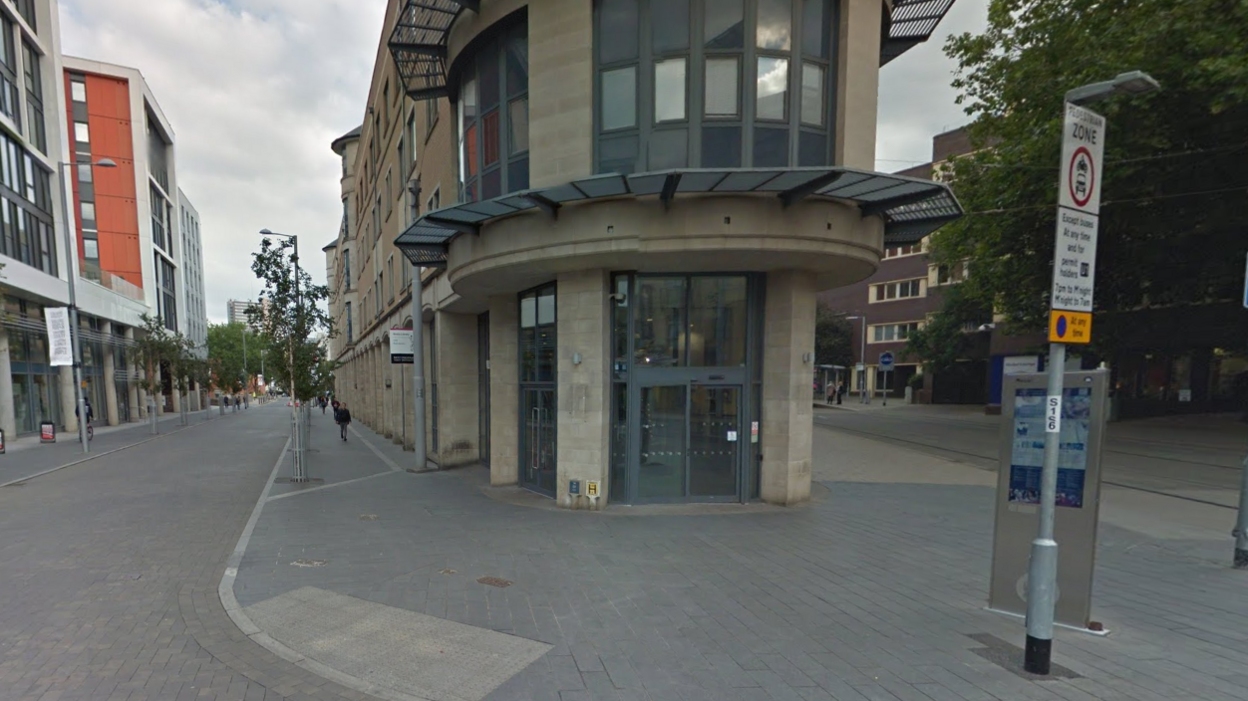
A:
<point x="583" y="439"/>
<point x="69" y="401"/>
<point x="858" y="82"/>
<point x="458" y="411"/>
<point x="131" y="383"/>
<point x="561" y="91"/>
<point x="504" y="390"/>
<point x="788" y="417"/>
<point x="110" y="378"/>
<point x="195" y="397"/>
<point x="8" y="413"/>
<point x="388" y="390"/>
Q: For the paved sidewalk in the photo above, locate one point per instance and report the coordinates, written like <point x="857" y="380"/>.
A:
<point x="873" y="591"/>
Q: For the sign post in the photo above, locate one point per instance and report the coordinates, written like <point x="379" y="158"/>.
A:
<point x="1070" y="303"/>
<point x="401" y="351"/>
<point x="886" y="367"/>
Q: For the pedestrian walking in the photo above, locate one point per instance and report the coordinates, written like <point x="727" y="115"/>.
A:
<point x="343" y="416"/>
<point x="840" y="391"/>
<point x="323" y="403"/>
<point x="335" y="406"/>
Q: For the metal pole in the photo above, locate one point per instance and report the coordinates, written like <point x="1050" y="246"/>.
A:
<point x="418" y="368"/>
<point x="862" y="376"/>
<point x="70" y="257"/>
<point x="1241" y="524"/>
<point x="1042" y="572"/>
<point x="290" y="352"/>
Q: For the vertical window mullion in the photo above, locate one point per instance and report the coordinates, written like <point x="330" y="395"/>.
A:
<point x="794" y="96"/>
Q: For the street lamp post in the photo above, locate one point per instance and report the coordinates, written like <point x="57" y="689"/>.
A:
<point x="1042" y="568"/>
<point x="70" y="272"/>
<point x="290" y="353"/>
<point x="862" y="374"/>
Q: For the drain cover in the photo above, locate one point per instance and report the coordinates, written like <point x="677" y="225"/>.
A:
<point x="447" y="571"/>
<point x="494" y="582"/>
<point x="305" y="562"/>
<point x="368" y="517"/>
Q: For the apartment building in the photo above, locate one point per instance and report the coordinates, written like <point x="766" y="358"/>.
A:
<point x="623" y="211"/>
<point x="193" y="300"/>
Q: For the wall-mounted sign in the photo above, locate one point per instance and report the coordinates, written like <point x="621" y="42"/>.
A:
<point x="401" y="346"/>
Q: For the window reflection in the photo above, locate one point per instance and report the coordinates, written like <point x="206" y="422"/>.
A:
<point x="775" y="25"/>
<point x="722" y="81"/>
<point x="773" y="85"/>
<point x="717" y="321"/>
<point x="659" y="322"/>
<point x="725" y="24"/>
<point x="669" y="90"/>
<point x="619" y="98"/>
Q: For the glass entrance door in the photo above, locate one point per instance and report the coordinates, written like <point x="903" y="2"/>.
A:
<point x="689" y="443"/>
<point x="537" y="469"/>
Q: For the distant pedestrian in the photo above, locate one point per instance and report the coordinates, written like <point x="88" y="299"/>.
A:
<point x="335" y="405"/>
<point x="840" y="392"/>
<point x="343" y="416"/>
<point x="226" y="398"/>
<point x="323" y="405"/>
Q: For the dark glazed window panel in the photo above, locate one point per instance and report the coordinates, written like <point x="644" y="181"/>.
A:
<point x="815" y="29"/>
<point x="518" y="175"/>
<point x="663" y="435"/>
<point x="619" y="98"/>
<point x="488" y="66"/>
<point x="492" y="184"/>
<point x="659" y="321"/>
<point x="812" y="149"/>
<point x="669" y="148"/>
<point x="618" y="154"/>
<point x="669" y="89"/>
<point x="617" y="40"/>
<point x="724" y="25"/>
<point x="518" y="135"/>
<point x="723" y="87"/>
<point x="813" y="81"/>
<point x="773" y="87"/>
<point x="619" y="441"/>
<point x="721" y="147"/>
<point x="717" y="316"/>
<point x="771" y="147"/>
<point x="470" y="151"/>
<point x="775" y="25"/>
<point x="518" y="63"/>
<point x="669" y="25"/>
<point x="619" y="328"/>
<point x="489" y="137"/>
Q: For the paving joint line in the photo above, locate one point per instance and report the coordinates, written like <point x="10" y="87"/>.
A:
<point x="330" y="486"/>
<point x="89" y="458"/>
<point x="237" y="614"/>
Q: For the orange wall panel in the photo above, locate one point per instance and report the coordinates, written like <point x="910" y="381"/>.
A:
<point x="116" y="203"/>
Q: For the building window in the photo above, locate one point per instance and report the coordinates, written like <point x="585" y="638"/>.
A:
<point x="160" y="224"/>
<point x="9" y="103"/>
<point x="346" y="269"/>
<point x="26" y="8"/>
<point x="950" y="274"/>
<point x="434" y="203"/>
<point x="350" y="329"/>
<point x="166" y="297"/>
<point x="78" y="89"/>
<point x="494" y="119"/>
<point x="903" y="289"/>
<point x="34" y="98"/>
<point x="899" y="251"/>
<point x="82" y="133"/>
<point x="390" y="277"/>
<point x="885" y="333"/>
<point x="712" y="116"/>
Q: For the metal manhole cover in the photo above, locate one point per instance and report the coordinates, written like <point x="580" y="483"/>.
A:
<point x="494" y="582"/>
<point x="368" y="517"/>
<point x="305" y="562"/>
<point x="448" y="571"/>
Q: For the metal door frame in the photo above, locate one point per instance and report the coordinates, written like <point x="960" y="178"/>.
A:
<point x="734" y="377"/>
<point x="527" y="444"/>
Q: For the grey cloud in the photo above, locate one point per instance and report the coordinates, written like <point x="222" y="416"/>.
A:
<point x="255" y="91"/>
<point x="916" y="100"/>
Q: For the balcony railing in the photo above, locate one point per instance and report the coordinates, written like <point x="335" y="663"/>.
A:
<point x="91" y="271"/>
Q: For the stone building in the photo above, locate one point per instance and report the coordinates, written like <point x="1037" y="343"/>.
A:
<point x="623" y="211"/>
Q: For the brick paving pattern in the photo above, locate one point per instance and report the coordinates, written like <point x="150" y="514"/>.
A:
<point x="109" y="574"/>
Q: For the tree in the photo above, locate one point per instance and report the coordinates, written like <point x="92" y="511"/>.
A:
<point x="233" y="369"/>
<point x="1176" y="160"/>
<point x="291" y="319"/>
<point x="155" y="347"/>
<point x="948" y="336"/>
<point x="833" y="338"/>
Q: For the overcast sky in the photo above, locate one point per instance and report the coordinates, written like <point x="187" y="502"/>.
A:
<point x="257" y="89"/>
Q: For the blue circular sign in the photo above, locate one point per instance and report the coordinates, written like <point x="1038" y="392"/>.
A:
<point x="1061" y="326"/>
<point x="886" y="360"/>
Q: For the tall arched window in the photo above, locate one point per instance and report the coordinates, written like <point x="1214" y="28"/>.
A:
<point x="493" y="108"/>
<point x="712" y="83"/>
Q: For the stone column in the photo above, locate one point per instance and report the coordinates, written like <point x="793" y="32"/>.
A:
<point x="110" y="377"/>
<point x="504" y="390"/>
<point x="788" y="421"/>
<point x="858" y="82"/>
<point x="69" y="401"/>
<point x="195" y="397"/>
<point x="8" y="413"/>
<point x="388" y="390"/>
<point x="131" y="383"/>
<point x="584" y="330"/>
<point x="457" y="389"/>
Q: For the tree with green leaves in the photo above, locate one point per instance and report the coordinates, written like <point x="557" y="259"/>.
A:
<point x="833" y="337"/>
<point x="154" y="346"/>
<point x="295" y="314"/>
<point x="234" y="369"/>
<point x="1176" y="161"/>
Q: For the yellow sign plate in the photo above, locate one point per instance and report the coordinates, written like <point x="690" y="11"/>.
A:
<point x="1070" y="327"/>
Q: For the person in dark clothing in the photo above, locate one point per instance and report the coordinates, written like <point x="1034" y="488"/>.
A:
<point x="840" y="392"/>
<point x="343" y="416"/>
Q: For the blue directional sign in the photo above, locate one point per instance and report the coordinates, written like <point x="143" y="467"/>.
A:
<point x="886" y="361"/>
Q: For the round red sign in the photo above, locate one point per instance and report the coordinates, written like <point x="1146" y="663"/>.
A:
<point x="1081" y="180"/>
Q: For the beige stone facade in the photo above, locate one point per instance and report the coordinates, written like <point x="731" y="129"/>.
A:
<point x="551" y="392"/>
